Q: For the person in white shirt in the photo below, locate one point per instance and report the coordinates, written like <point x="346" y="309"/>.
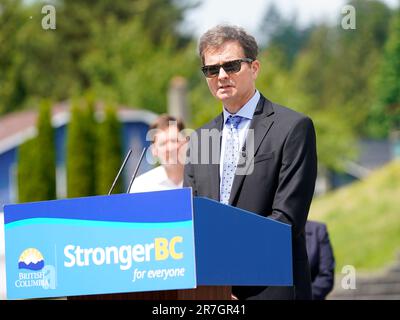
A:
<point x="168" y="147"/>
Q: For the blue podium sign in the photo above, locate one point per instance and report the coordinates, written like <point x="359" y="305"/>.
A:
<point x="102" y="244"/>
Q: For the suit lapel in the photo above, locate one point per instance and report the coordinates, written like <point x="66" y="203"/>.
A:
<point x="214" y="168"/>
<point x="261" y="123"/>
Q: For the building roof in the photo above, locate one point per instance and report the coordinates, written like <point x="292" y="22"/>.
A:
<point x="17" y="127"/>
<point x="373" y="155"/>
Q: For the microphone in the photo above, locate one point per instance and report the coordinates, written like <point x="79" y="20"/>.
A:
<point x="120" y="170"/>
<point x="136" y="169"/>
<point x="244" y="151"/>
<point x="242" y="157"/>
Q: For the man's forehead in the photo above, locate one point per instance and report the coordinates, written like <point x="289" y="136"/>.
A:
<point x="228" y="50"/>
<point x="166" y="132"/>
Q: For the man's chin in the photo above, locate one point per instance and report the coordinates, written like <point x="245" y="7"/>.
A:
<point x="170" y="163"/>
<point x="225" y="97"/>
<point x="228" y="91"/>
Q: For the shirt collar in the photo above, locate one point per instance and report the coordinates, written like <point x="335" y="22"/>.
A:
<point x="167" y="181"/>
<point x="247" y="111"/>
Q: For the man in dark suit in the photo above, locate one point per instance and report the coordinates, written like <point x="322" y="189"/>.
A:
<point x="321" y="259"/>
<point x="267" y="152"/>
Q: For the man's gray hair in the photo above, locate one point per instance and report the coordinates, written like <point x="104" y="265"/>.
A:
<point x="218" y="35"/>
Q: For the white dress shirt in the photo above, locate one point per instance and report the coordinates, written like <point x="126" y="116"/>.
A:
<point x="154" y="180"/>
<point x="247" y="112"/>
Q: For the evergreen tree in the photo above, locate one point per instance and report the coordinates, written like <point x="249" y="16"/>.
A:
<point x="111" y="46"/>
<point x="109" y="152"/>
<point x="25" y="171"/>
<point x="389" y="81"/>
<point x="80" y="162"/>
<point x="282" y="33"/>
<point x="46" y="161"/>
<point x="36" y="161"/>
<point x="356" y="58"/>
<point x="89" y="113"/>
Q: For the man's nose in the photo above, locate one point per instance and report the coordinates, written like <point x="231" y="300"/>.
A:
<point x="222" y="73"/>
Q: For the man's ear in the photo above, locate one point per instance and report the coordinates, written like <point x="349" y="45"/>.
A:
<point x="255" y="68"/>
<point x="154" y="150"/>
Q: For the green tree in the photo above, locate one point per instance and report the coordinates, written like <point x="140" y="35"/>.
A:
<point x="36" y="161"/>
<point x="26" y="163"/>
<point x="80" y="144"/>
<point x="301" y="87"/>
<point x="282" y="33"/>
<point x="136" y="75"/>
<point x="30" y="58"/>
<point x="45" y="151"/>
<point x="89" y="116"/>
<point x="109" y="152"/>
<point x="388" y="108"/>
<point x="332" y="80"/>
<point x="125" y="49"/>
<point x="356" y="59"/>
<point x="85" y="51"/>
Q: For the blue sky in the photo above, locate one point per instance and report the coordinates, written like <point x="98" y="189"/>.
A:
<point x="248" y="13"/>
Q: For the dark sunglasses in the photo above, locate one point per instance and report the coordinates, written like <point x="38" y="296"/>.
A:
<point x="229" y="67"/>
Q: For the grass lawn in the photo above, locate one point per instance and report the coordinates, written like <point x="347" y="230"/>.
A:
<point x="363" y="220"/>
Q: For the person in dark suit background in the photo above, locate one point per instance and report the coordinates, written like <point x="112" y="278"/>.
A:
<point x="266" y="153"/>
<point x="321" y="259"/>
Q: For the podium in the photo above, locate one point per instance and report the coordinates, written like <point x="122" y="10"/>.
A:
<point x="232" y="247"/>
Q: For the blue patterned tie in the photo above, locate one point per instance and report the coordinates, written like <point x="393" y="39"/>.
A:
<point x="230" y="158"/>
